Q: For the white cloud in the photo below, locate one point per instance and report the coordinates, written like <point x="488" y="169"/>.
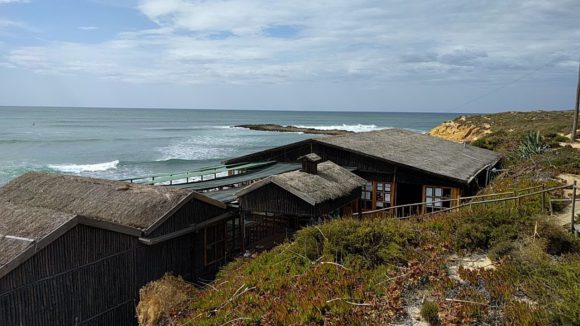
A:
<point x="88" y="28"/>
<point x="4" y="2"/>
<point x="228" y="41"/>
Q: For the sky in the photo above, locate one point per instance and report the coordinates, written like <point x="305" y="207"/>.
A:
<point x="353" y="55"/>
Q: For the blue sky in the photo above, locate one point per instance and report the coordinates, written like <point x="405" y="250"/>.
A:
<point x="368" y="55"/>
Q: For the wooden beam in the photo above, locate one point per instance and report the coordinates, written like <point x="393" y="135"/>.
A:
<point x="576" y="108"/>
<point x="572" y="222"/>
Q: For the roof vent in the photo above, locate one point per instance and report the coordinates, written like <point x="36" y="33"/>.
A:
<point x="310" y="163"/>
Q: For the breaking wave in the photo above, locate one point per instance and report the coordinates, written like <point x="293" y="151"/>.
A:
<point x="354" y="128"/>
<point x="78" y="168"/>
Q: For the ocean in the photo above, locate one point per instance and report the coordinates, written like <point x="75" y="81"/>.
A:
<point x="121" y="143"/>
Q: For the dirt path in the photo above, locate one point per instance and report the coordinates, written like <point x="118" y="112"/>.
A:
<point x="563" y="217"/>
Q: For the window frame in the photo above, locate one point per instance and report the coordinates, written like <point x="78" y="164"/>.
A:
<point x="434" y="202"/>
<point x="384" y="192"/>
<point x="370" y="192"/>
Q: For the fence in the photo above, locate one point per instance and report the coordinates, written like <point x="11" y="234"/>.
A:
<point x="511" y="199"/>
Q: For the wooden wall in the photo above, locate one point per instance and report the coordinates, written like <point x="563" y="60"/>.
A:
<point x="91" y="276"/>
<point x="273" y="199"/>
<point x="85" y="272"/>
<point x="191" y="213"/>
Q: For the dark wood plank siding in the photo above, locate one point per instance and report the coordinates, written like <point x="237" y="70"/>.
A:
<point x="191" y="213"/>
<point x="85" y="272"/>
<point x="174" y="256"/>
<point x="273" y="199"/>
<point x="80" y="246"/>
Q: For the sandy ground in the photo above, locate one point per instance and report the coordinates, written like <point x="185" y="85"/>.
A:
<point x="470" y="262"/>
<point x="563" y="217"/>
<point x="574" y="145"/>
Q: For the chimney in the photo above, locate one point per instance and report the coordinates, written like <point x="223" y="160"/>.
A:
<point x="310" y="163"/>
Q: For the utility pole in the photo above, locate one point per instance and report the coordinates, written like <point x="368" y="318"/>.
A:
<point x="576" y="109"/>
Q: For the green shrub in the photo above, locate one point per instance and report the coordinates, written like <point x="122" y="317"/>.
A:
<point x="533" y="143"/>
<point x="558" y="240"/>
<point x="471" y="236"/>
<point x="501" y="249"/>
<point x="359" y="244"/>
<point x="492" y="141"/>
<point x="430" y="312"/>
<point x="551" y="282"/>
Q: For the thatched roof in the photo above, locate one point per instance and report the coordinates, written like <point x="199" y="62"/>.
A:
<point x="131" y="205"/>
<point x="21" y="227"/>
<point x="37" y="208"/>
<point x="434" y="155"/>
<point x="331" y="182"/>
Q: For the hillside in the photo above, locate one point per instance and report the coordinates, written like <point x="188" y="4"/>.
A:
<point x="510" y="124"/>
<point x="493" y="264"/>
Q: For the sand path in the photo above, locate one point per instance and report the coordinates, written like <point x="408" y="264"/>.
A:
<point x="563" y="217"/>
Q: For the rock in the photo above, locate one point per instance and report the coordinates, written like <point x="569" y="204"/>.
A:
<point x="454" y="131"/>
<point x="280" y="128"/>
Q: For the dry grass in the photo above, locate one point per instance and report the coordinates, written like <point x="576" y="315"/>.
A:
<point x="159" y="300"/>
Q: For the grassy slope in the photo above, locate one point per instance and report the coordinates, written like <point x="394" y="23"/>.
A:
<point x="371" y="272"/>
<point x="548" y="122"/>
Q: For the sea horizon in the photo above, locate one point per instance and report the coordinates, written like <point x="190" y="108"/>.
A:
<point x="352" y="110"/>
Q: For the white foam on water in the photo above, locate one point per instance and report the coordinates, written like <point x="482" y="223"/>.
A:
<point x="201" y="148"/>
<point x="354" y="128"/>
<point x="78" y="168"/>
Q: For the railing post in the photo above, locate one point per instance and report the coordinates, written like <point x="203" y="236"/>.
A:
<point x="573" y="207"/>
<point x="543" y="199"/>
<point x="516" y="201"/>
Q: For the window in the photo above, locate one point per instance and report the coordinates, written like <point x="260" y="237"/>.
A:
<point x="383" y="195"/>
<point x="367" y="196"/>
<point x="215" y="248"/>
<point x="437" y="198"/>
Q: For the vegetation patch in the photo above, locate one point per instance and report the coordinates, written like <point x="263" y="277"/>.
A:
<point x="163" y="300"/>
<point x="430" y="312"/>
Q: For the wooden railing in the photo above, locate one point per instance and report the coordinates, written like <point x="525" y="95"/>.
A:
<point x="513" y="198"/>
<point x="202" y="174"/>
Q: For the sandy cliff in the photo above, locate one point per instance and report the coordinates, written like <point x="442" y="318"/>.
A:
<point x="460" y="130"/>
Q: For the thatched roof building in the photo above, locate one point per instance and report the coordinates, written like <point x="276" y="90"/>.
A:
<point x="76" y="250"/>
<point x="401" y="167"/>
<point x="310" y="192"/>
<point x="436" y="156"/>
